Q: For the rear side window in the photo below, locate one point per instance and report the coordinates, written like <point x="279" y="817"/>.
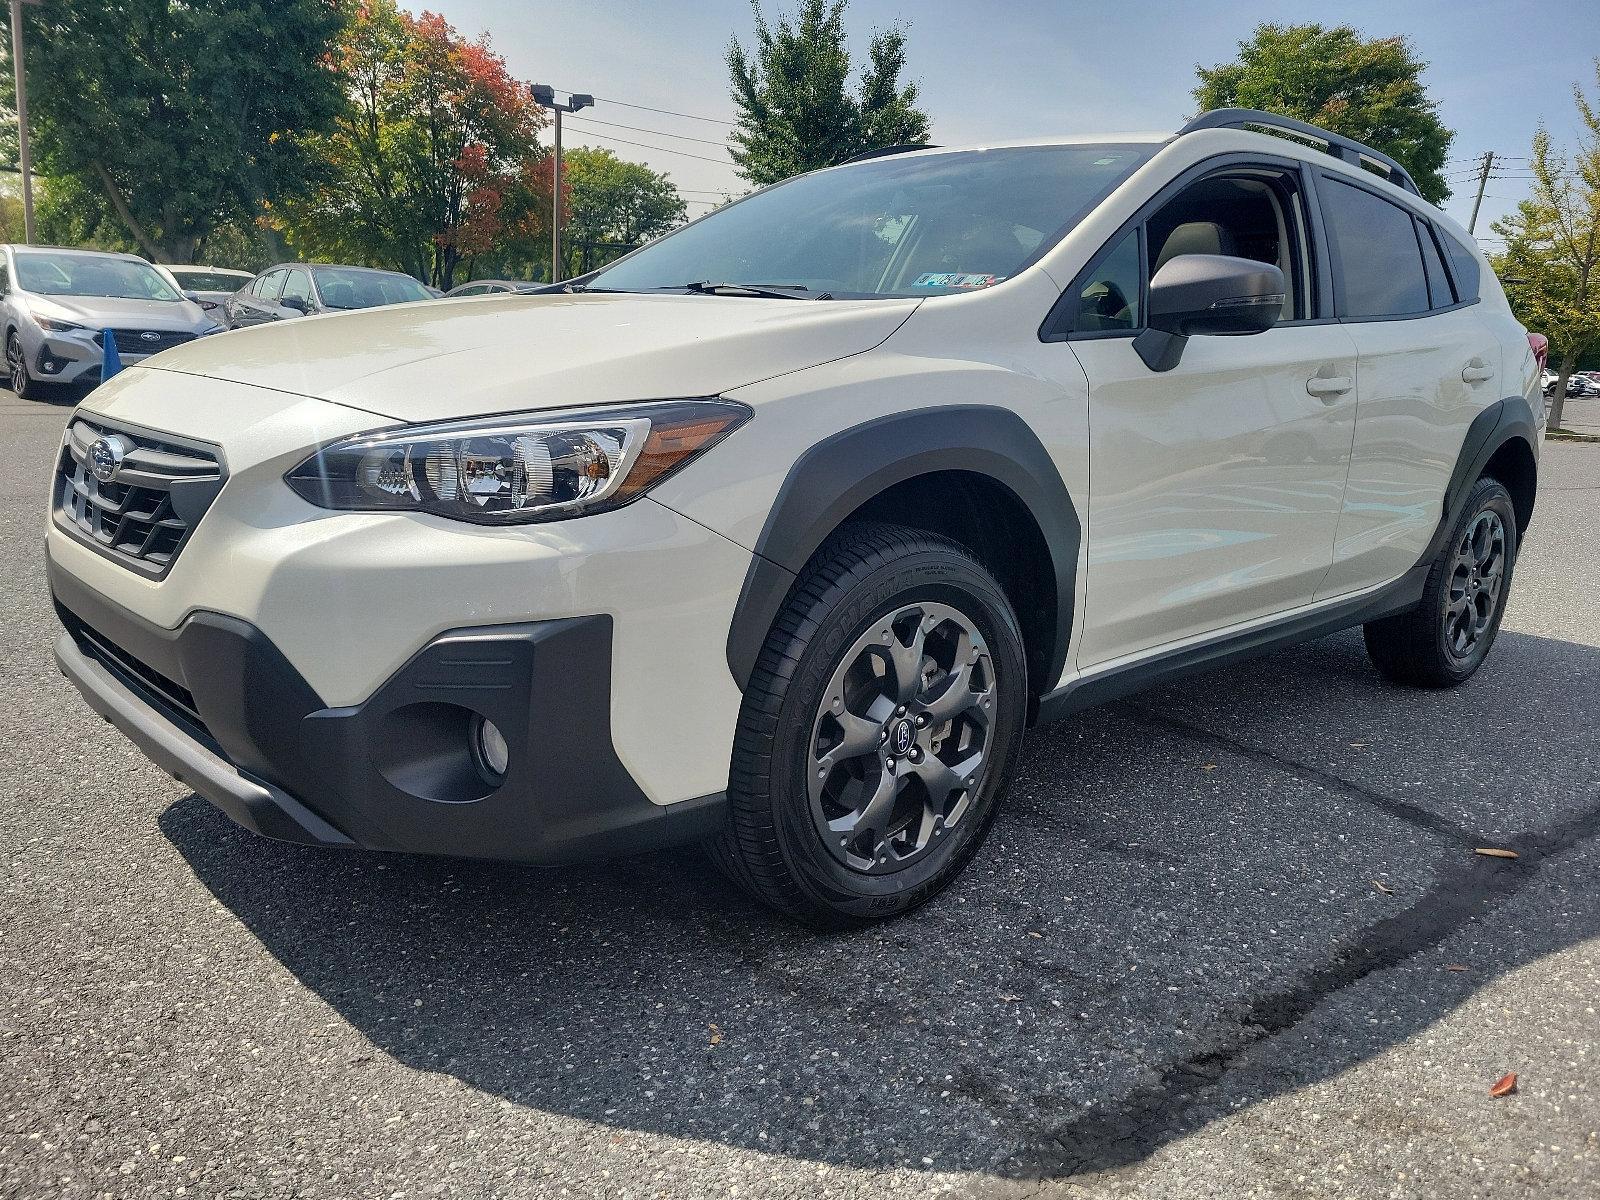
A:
<point x="1465" y="265"/>
<point x="1380" y="271"/>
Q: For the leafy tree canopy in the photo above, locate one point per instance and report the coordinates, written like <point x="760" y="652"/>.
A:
<point x="613" y="205"/>
<point x="797" y="111"/>
<point x="1367" y="89"/>
<point x="436" y="157"/>
<point x="174" y="115"/>
<point x="1551" y="262"/>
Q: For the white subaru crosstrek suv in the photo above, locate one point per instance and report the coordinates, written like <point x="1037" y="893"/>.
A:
<point x="776" y="533"/>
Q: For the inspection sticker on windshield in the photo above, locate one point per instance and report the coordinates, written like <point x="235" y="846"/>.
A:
<point x="957" y="280"/>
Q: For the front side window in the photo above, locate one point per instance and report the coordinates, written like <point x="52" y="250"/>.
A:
<point x="297" y="287"/>
<point x="1380" y="261"/>
<point x="66" y="274"/>
<point x="905" y="225"/>
<point x="267" y="287"/>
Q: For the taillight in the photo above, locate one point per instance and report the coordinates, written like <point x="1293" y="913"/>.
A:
<point x="1541" y="348"/>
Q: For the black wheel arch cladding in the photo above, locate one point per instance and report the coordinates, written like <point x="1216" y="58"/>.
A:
<point x="837" y="476"/>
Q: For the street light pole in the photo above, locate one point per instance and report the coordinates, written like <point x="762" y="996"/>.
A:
<point x="24" y="157"/>
<point x="545" y="95"/>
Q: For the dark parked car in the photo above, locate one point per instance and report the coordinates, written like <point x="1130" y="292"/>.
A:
<point x="490" y="287"/>
<point x="300" y="289"/>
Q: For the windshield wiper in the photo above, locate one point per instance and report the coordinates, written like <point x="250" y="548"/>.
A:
<point x="774" y="291"/>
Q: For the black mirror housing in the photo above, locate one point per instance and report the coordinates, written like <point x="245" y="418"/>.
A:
<point x="295" y="303"/>
<point x="1210" y="294"/>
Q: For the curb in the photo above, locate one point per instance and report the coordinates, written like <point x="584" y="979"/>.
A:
<point x="1562" y="435"/>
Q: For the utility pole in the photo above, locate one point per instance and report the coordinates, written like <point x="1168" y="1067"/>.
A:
<point x="24" y="156"/>
<point x="545" y="95"/>
<point x="1483" y="181"/>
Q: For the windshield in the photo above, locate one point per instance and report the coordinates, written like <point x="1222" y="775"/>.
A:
<point x="343" y="288"/>
<point x="922" y="225"/>
<point x="91" y="275"/>
<point x="209" y="281"/>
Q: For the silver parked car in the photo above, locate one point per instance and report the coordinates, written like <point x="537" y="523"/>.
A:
<point x="207" y="286"/>
<point x="55" y="306"/>
<point x="494" y="287"/>
<point x="291" y="290"/>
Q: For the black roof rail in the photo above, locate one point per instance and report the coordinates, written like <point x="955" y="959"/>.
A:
<point x="885" y="151"/>
<point x="1344" y="149"/>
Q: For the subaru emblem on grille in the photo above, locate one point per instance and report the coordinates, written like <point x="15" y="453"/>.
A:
<point x="105" y="456"/>
<point x="150" y="335"/>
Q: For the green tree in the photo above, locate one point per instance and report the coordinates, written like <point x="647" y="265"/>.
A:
<point x="1367" y="89"/>
<point x="1551" y="262"/>
<point x="796" y="110"/>
<point x="435" y="159"/>
<point x="612" y="206"/>
<point x="174" y="114"/>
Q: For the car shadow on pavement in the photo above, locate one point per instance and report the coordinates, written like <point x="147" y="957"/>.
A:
<point x="1175" y="883"/>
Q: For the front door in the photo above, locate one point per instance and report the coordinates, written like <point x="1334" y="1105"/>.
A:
<point x="1215" y="487"/>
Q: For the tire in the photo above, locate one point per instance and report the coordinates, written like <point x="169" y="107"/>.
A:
<point x="1446" y="637"/>
<point x="855" y="793"/>
<point x="18" y="377"/>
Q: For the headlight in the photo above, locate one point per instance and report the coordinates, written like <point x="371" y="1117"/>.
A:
<point x="512" y="470"/>
<point x="54" y="326"/>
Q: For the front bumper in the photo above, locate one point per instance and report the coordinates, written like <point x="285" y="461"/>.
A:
<point x="216" y="705"/>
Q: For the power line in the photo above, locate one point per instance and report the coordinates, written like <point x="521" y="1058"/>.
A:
<point x="666" y="112"/>
<point x="682" y="137"/>
<point x="721" y="162"/>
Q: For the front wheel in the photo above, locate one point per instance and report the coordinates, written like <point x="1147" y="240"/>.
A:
<point x="878" y="730"/>
<point x="1445" y="639"/>
<point x="22" y="382"/>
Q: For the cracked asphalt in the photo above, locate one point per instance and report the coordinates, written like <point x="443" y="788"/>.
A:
<point x="1229" y="938"/>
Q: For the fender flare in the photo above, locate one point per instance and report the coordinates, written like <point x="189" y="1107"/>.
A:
<point x="1501" y="422"/>
<point x="837" y="476"/>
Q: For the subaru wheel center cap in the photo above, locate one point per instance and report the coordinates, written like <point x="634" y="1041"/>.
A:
<point x="901" y="735"/>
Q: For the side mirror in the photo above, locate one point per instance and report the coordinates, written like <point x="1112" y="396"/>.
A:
<point x="295" y="303"/>
<point x="192" y="297"/>
<point x="1207" y="294"/>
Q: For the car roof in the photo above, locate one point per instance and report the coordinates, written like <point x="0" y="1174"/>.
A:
<point x="207" y="270"/>
<point x="120" y="256"/>
<point x="284" y="266"/>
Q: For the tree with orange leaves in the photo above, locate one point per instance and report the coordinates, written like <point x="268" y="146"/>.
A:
<point x="436" y="158"/>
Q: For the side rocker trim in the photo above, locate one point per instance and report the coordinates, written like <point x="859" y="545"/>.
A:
<point x="837" y="476"/>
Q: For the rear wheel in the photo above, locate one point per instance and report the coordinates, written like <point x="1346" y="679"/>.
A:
<point x="877" y="732"/>
<point x="1442" y="641"/>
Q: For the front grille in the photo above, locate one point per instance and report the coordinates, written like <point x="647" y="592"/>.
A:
<point x="145" y="341"/>
<point x="157" y="490"/>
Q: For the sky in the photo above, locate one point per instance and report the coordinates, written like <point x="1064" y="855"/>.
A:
<point x="990" y="70"/>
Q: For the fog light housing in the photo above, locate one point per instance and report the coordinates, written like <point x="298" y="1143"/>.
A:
<point x="490" y="749"/>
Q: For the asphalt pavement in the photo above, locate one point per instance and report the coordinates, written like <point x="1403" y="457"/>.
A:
<point x="1229" y="938"/>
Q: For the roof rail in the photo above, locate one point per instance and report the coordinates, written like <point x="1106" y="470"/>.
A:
<point x="1344" y="149"/>
<point x="885" y="151"/>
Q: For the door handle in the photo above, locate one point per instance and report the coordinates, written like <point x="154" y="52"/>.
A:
<point x="1325" y="387"/>
<point x="1476" y="373"/>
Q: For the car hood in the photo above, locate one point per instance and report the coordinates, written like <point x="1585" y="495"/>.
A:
<point x="105" y="312"/>
<point x="461" y="358"/>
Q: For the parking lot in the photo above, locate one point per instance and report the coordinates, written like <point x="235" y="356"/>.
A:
<point x="1229" y="937"/>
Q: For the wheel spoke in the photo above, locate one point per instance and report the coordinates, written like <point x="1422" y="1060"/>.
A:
<point x="953" y="698"/>
<point x="861" y="736"/>
<point x="907" y="661"/>
<point x="942" y="779"/>
<point x="880" y="806"/>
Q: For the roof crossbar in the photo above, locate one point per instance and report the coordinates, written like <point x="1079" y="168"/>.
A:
<point x="1344" y="149"/>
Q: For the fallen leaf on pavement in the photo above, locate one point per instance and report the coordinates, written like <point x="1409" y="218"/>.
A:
<point x="1454" y="967"/>
<point x="716" y="1034"/>
<point x="1010" y="999"/>
<point x="1504" y="1086"/>
<point x="1490" y="852"/>
<point x="1358" y="745"/>
<point x="1381" y="888"/>
<point x="1209" y="767"/>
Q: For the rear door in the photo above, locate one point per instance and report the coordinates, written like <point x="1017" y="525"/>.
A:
<point x="1216" y="487"/>
<point x="1426" y="366"/>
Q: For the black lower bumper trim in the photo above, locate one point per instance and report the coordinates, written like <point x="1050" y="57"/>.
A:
<point x="222" y="710"/>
